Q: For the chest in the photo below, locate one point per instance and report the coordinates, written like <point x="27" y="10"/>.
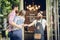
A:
<point x="19" y="20"/>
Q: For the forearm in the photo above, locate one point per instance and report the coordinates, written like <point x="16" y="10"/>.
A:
<point x="15" y="25"/>
<point x="29" y="25"/>
<point x="24" y="25"/>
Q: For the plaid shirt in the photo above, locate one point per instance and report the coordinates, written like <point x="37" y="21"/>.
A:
<point x="10" y="19"/>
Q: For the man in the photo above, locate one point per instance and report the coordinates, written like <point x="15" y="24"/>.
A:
<point x="13" y="25"/>
<point x="12" y="15"/>
<point x="39" y="25"/>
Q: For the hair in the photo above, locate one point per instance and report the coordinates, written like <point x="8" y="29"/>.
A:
<point x="14" y="5"/>
<point x="40" y="13"/>
<point x="21" y="13"/>
<point x="16" y="12"/>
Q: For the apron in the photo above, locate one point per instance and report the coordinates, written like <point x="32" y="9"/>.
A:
<point x="39" y="31"/>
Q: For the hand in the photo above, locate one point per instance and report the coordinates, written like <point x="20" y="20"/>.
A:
<point x="19" y="26"/>
<point x="25" y="25"/>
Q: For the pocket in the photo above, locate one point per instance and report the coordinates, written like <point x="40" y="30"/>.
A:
<point x="37" y="36"/>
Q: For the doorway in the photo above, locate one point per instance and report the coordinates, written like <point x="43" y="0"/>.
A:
<point x="51" y="12"/>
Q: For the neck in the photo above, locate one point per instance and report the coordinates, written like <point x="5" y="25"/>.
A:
<point x="39" y="18"/>
<point x="13" y="10"/>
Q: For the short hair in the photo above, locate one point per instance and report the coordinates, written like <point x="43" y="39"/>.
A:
<point x="14" y="5"/>
<point x="40" y="13"/>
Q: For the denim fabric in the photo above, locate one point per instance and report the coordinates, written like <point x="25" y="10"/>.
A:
<point x="15" y="35"/>
<point x="18" y="20"/>
<point x="40" y="30"/>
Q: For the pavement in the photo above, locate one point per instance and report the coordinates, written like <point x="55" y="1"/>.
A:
<point x="4" y="38"/>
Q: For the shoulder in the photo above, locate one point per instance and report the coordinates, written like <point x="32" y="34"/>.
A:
<point x="11" y="14"/>
<point x="44" y="20"/>
<point x="34" y="21"/>
<point x="22" y="17"/>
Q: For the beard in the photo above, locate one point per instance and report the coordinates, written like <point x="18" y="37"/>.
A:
<point x="38" y="18"/>
<point x="16" y="11"/>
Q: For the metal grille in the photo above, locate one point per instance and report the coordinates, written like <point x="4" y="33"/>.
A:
<point x="52" y="17"/>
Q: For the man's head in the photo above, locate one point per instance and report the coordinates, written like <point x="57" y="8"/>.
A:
<point x="39" y="15"/>
<point x="15" y="7"/>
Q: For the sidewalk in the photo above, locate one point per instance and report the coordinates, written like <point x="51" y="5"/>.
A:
<point x="4" y="38"/>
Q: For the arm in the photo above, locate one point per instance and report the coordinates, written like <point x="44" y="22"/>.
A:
<point x="31" y="24"/>
<point x="11" y="18"/>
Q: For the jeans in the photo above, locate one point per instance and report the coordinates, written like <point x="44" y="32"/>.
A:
<point x="15" y="35"/>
